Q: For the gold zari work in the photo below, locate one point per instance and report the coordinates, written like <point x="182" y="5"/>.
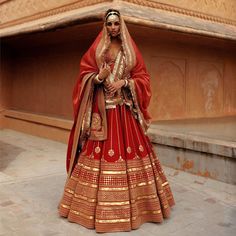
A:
<point x="116" y="197"/>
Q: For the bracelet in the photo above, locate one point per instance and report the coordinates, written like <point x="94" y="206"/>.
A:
<point x="97" y="80"/>
<point x="126" y="82"/>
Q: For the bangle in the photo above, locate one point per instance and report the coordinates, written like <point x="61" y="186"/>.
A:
<point x="97" y="80"/>
<point x="126" y="82"/>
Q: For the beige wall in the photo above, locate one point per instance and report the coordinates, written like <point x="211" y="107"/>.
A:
<point x="191" y="77"/>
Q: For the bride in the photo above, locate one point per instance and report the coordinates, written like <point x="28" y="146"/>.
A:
<point x="115" y="181"/>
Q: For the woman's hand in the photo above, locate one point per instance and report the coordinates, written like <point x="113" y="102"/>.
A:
<point x="104" y="72"/>
<point x="113" y="87"/>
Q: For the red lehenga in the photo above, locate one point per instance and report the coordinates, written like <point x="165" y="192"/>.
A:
<point x="115" y="181"/>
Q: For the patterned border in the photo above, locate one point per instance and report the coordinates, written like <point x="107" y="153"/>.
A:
<point x="146" y="3"/>
<point x="55" y="11"/>
<point x="180" y="10"/>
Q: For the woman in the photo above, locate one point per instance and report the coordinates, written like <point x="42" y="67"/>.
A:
<point x="115" y="182"/>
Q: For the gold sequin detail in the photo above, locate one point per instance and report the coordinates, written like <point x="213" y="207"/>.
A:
<point x="97" y="149"/>
<point x="111" y="152"/>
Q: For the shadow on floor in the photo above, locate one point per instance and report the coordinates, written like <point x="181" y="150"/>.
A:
<point x="8" y="153"/>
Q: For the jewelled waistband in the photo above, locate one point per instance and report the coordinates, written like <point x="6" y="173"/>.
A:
<point x="113" y="102"/>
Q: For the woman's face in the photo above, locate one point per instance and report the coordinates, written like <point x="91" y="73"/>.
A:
<point x="113" y="25"/>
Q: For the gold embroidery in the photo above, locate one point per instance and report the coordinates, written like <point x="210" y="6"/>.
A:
<point x="113" y="221"/>
<point x="82" y="214"/>
<point x="85" y="198"/>
<point x="111" y="152"/>
<point x="113" y="189"/>
<point x="128" y="150"/>
<point x="84" y="183"/>
<point x="88" y="167"/>
<point x="120" y="159"/>
<point x="97" y="149"/>
<point x="65" y="206"/>
<point x="142" y="184"/>
<point x="113" y="203"/>
<point x="139" y="168"/>
<point x="69" y="190"/>
<point x="96" y="121"/>
<point x="113" y="172"/>
<point x="144" y="197"/>
<point x="146" y="212"/>
<point x="164" y="184"/>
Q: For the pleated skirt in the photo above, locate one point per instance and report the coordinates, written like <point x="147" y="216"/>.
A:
<point x="117" y="184"/>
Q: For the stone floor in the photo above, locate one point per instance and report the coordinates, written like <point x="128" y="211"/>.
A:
<point x="32" y="175"/>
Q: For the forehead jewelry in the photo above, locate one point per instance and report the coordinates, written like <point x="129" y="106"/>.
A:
<point x="112" y="15"/>
<point x="112" y="18"/>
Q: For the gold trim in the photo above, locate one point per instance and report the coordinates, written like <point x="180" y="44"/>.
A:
<point x="82" y="214"/>
<point x="113" y="172"/>
<point x="88" y="167"/>
<point x="85" y="198"/>
<point x="144" y="197"/>
<point x="142" y="184"/>
<point x="113" y="203"/>
<point x="84" y="183"/>
<point x="139" y="168"/>
<point x="113" y="221"/>
<point x="113" y="189"/>
<point x="147" y="212"/>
